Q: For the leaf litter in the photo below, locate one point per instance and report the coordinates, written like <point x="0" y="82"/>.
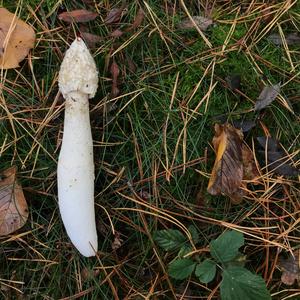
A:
<point x="290" y="39"/>
<point x="267" y="96"/>
<point x="91" y="39"/>
<point x="227" y="173"/>
<point x="290" y="268"/>
<point x="77" y="16"/>
<point x="275" y="157"/>
<point x="234" y="162"/>
<point x="115" y="71"/>
<point x="13" y="206"/>
<point x="115" y="15"/>
<point x="189" y="23"/>
<point x="138" y="19"/>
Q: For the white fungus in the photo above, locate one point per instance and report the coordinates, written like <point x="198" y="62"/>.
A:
<point x="78" y="81"/>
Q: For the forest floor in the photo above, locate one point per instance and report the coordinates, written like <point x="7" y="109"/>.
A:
<point x="163" y="85"/>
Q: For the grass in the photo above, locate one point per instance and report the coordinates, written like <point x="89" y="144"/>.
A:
<point x="153" y="151"/>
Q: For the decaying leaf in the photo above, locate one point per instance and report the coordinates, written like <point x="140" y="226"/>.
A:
<point x="290" y="268"/>
<point x="234" y="163"/>
<point x="78" y="16"/>
<point x="117" y="243"/>
<point x="91" y="39"/>
<point x="250" y="171"/>
<point x="138" y="19"/>
<point x="291" y="39"/>
<point x="13" y="206"/>
<point x="275" y="157"/>
<point x="115" y="71"/>
<point x="117" y="33"/>
<point x="227" y="173"/>
<point x="88" y="274"/>
<point x="267" y="96"/>
<point x="202" y="22"/>
<point x="16" y="39"/>
<point x="115" y="15"/>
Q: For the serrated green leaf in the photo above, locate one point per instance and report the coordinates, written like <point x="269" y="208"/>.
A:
<point x="169" y="239"/>
<point x="226" y="247"/>
<point x="181" y="268"/>
<point x="194" y="233"/>
<point x="239" y="283"/>
<point x="206" y="271"/>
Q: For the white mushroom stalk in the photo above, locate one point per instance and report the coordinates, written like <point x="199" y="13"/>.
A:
<point x="78" y="81"/>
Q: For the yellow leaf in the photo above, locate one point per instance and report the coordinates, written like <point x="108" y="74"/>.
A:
<point x="16" y="39"/>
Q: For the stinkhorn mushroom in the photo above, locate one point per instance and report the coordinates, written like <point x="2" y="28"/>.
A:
<point x="78" y="81"/>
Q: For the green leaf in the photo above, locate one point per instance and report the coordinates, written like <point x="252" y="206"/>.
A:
<point x="169" y="239"/>
<point x="239" y="283"/>
<point x="239" y="261"/>
<point x="194" y="233"/>
<point x="206" y="271"/>
<point x="185" y="249"/>
<point x="226" y="247"/>
<point x="181" y="268"/>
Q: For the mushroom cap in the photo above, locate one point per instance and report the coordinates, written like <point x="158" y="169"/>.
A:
<point x="78" y="71"/>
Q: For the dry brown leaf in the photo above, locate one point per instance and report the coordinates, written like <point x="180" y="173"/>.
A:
<point x="290" y="39"/>
<point x="202" y="22"/>
<point x="114" y="15"/>
<point x="78" y="16"/>
<point x="91" y="39"/>
<point x="227" y="173"/>
<point x="138" y="19"/>
<point x="117" y="33"/>
<point x="13" y="206"/>
<point x="16" y="39"/>
<point x="250" y="169"/>
<point x="115" y="71"/>
<point x="267" y="96"/>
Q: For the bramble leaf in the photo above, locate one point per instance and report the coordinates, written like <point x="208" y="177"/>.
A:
<point x="239" y="283"/>
<point x="181" y="268"/>
<point x="226" y="247"/>
<point x="169" y="239"/>
<point x="206" y="271"/>
<point x="194" y="233"/>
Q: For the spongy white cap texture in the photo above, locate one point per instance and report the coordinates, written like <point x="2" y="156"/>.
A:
<point x="78" y="72"/>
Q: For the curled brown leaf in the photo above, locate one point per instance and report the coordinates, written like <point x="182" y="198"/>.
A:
<point x="227" y="173"/>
